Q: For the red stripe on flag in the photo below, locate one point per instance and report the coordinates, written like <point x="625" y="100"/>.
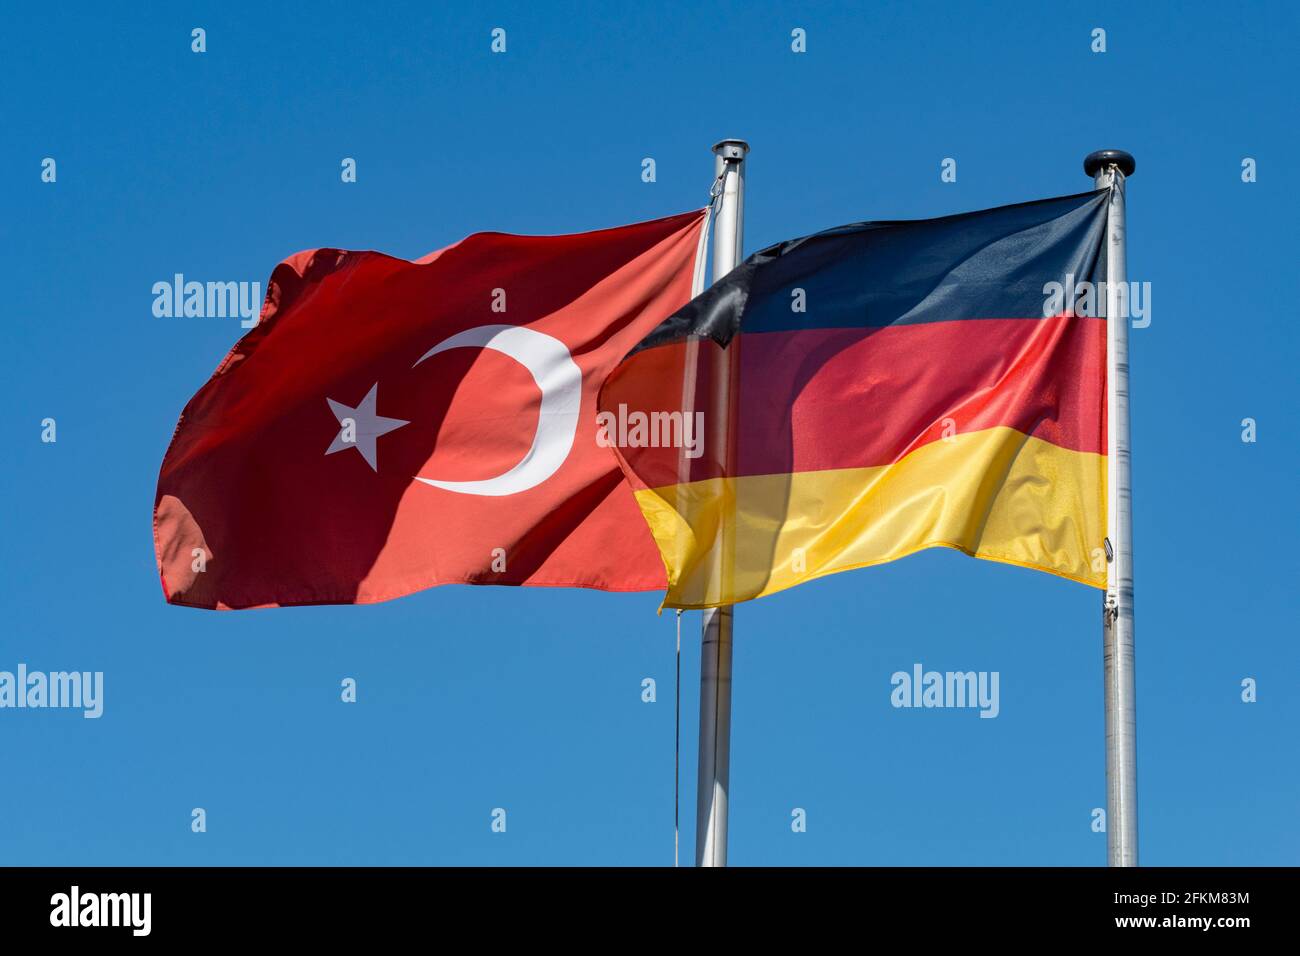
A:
<point x="864" y="397"/>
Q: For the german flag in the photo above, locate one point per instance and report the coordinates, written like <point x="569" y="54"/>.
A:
<point x="854" y="396"/>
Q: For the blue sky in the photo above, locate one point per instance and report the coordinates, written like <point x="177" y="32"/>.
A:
<point x="221" y="164"/>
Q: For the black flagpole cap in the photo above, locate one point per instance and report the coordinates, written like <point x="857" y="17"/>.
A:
<point x="1093" y="163"/>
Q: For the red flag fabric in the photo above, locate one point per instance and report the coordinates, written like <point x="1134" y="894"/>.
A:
<point x="392" y="425"/>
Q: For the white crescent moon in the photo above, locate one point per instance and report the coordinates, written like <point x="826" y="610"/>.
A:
<point x="560" y="380"/>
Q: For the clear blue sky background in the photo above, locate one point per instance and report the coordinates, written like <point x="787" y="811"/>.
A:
<point x="219" y="165"/>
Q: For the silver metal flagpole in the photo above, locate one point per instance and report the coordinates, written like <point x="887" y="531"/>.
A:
<point x="715" y="646"/>
<point x="1110" y="168"/>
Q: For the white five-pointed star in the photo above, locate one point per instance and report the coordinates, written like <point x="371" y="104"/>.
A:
<point x="360" y="426"/>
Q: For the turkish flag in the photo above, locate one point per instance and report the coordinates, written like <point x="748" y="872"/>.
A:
<point x="392" y="425"/>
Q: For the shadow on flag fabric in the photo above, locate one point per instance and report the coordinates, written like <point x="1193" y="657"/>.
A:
<point x="390" y="425"/>
<point x="889" y="387"/>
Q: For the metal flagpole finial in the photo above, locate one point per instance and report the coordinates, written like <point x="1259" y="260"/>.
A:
<point x="725" y="153"/>
<point x="1093" y="163"/>
<point x="731" y="148"/>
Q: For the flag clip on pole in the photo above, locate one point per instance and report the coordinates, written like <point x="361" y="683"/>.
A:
<point x="715" y="644"/>
<point x="1110" y="169"/>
